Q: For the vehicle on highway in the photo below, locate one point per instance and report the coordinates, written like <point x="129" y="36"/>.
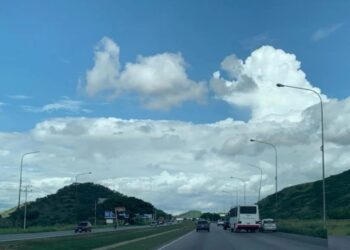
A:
<point x="268" y="225"/>
<point x="226" y="225"/>
<point x="84" y="226"/>
<point x="220" y="223"/>
<point x="203" y="225"/>
<point x="244" y="218"/>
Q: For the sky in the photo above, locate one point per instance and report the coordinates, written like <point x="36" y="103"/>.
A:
<point x="158" y="99"/>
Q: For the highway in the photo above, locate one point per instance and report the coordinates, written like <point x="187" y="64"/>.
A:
<point x="31" y="236"/>
<point x="218" y="238"/>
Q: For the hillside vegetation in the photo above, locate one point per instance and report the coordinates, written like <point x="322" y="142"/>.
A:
<point x="191" y="214"/>
<point x="77" y="202"/>
<point x="304" y="201"/>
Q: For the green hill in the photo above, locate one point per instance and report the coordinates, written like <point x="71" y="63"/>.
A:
<point x="77" y="202"/>
<point x="191" y="214"/>
<point x="304" y="201"/>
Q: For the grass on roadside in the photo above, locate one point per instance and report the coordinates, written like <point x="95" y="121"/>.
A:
<point x="158" y="241"/>
<point x="87" y="241"/>
<point x="39" y="229"/>
<point x="303" y="227"/>
<point x="338" y="227"/>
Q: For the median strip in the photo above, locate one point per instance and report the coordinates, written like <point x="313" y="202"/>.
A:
<point x="134" y="240"/>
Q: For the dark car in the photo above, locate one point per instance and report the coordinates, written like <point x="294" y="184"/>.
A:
<point x="226" y="225"/>
<point x="84" y="226"/>
<point x="203" y="225"/>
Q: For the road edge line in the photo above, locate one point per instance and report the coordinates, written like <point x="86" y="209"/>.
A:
<point x="176" y="240"/>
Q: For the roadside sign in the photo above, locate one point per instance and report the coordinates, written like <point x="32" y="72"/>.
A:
<point x="109" y="214"/>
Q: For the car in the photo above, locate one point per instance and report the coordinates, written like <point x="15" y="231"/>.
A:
<point x="84" y="226"/>
<point x="203" y="225"/>
<point x="268" y="225"/>
<point x="226" y="225"/>
<point x="220" y="223"/>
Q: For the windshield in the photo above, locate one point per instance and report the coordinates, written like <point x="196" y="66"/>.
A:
<point x="133" y="114"/>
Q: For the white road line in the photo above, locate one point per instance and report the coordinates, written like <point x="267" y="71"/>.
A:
<point x="165" y="246"/>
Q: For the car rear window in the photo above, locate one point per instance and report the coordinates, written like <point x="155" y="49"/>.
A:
<point x="83" y="224"/>
<point x="202" y="222"/>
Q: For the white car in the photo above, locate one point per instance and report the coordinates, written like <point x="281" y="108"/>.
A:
<point x="220" y="223"/>
<point x="268" y="225"/>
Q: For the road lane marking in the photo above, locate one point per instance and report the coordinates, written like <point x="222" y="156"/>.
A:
<point x="134" y="240"/>
<point x="165" y="246"/>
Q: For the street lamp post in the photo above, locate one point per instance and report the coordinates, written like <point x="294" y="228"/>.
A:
<point x="25" y="206"/>
<point x="280" y="85"/>
<point x="261" y="173"/>
<point x="276" y="174"/>
<point x="244" y="185"/>
<point x="20" y="183"/>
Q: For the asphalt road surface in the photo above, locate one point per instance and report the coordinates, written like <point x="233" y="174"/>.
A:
<point x="338" y="242"/>
<point x="218" y="238"/>
<point x="30" y="236"/>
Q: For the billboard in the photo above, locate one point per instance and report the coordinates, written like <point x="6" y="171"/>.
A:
<point x="109" y="215"/>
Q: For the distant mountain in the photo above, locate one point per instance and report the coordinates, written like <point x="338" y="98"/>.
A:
<point x="77" y="202"/>
<point x="304" y="201"/>
<point x="191" y="214"/>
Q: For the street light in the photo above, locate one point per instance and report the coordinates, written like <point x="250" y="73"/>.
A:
<point x="275" y="148"/>
<point x="25" y="206"/>
<point x="20" y="183"/>
<point x="253" y="166"/>
<point x="244" y="183"/>
<point x="280" y="85"/>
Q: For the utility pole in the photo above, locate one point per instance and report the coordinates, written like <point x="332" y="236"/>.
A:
<point x="25" y="205"/>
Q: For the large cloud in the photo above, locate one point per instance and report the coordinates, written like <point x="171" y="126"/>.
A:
<point x="160" y="81"/>
<point x="252" y="83"/>
<point x="180" y="165"/>
<point x="187" y="164"/>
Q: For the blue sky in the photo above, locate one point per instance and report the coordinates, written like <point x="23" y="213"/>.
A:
<point x="167" y="94"/>
<point x="47" y="46"/>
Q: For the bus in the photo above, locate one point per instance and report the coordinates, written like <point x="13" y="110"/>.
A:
<point x="244" y="218"/>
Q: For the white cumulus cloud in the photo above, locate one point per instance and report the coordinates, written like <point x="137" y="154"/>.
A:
<point x="160" y="80"/>
<point x="252" y="83"/>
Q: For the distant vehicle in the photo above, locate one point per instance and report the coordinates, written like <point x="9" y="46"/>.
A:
<point x="203" y="225"/>
<point x="268" y="225"/>
<point x="84" y="226"/>
<point x="244" y="218"/>
<point x="226" y="225"/>
<point x="220" y="223"/>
